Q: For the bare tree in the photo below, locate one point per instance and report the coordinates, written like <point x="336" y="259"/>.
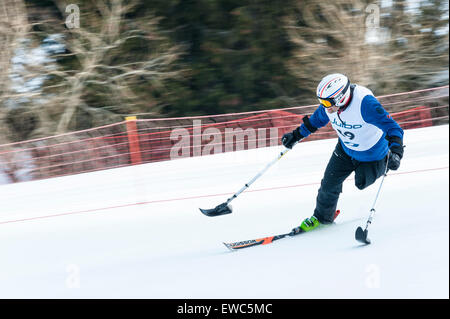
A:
<point x="98" y="48"/>
<point x="416" y="52"/>
<point x="13" y="26"/>
<point x="332" y="36"/>
<point x="109" y="68"/>
<point x="329" y="36"/>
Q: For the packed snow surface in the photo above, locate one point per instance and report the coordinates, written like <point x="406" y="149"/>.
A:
<point x="136" y="232"/>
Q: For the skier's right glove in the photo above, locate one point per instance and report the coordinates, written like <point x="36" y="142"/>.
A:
<point x="289" y="139"/>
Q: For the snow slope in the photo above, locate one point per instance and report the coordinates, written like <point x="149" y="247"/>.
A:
<point x="136" y="232"/>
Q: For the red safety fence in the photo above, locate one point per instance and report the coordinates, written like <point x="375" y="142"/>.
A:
<point x="137" y="141"/>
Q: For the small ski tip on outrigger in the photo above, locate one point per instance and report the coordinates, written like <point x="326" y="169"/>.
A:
<point x="221" y="209"/>
<point x="361" y="236"/>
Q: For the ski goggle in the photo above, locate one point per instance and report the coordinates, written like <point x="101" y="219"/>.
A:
<point x="329" y="102"/>
<point x="326" y="102"/>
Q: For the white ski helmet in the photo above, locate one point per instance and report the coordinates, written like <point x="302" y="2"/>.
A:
<point x="334" y="90"/>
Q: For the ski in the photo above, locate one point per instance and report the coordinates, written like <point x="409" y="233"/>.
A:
<point x="261" y="241"/>
<point x="266" y="240"/>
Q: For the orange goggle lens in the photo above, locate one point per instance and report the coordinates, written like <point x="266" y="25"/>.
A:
<point x="325" y="103"/>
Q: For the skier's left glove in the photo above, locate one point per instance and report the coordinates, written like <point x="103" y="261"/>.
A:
<point x="396" y="149"/>
<point x="289" y="139"/>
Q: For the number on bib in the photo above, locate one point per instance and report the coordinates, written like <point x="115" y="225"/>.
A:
<point x="350" y="136"/>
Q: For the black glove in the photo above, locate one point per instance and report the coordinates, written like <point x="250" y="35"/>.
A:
<point x="396" y="152"/>
<point x="394" y="161"/>
<point x="289" y="139"/>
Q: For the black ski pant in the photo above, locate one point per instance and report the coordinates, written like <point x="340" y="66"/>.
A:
<point x="338" y="169"/>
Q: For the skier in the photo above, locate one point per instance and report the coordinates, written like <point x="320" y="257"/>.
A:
<point x="369" y="139"/>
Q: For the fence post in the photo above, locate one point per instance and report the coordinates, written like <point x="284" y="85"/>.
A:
<point x="133" y="140"/>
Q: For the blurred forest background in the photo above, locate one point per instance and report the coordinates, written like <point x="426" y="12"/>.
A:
<point x="159" y="58"/>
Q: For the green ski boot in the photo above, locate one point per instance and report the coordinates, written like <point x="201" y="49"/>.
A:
<point x="310" y="224"/>
<point x="307" y="225"/>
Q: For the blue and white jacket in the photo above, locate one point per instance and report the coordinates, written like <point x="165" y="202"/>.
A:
<point x="362" y="126"/>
